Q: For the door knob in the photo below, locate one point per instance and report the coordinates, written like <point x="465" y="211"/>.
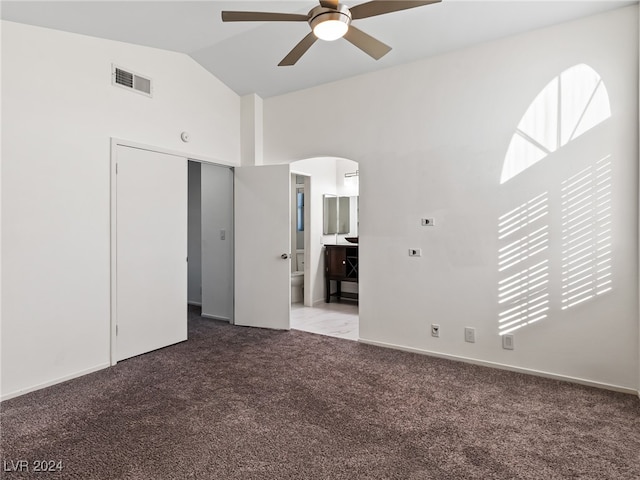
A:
<point x="284" y="256"/>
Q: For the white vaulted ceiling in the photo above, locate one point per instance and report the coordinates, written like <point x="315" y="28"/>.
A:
<point x="245" y="55"/>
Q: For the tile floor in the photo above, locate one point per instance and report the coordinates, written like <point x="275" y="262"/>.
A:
<point x="332" y="319"/>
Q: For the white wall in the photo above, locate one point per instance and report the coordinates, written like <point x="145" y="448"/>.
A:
<point x="251" y="130"/>
<point x="1" y="230"/>
<point x="194" y="290"/>
<point x="430" y="138"/>
<point x="59" y="111"/>
<point x="217" y="252"/>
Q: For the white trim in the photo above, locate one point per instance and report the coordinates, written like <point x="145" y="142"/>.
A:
<point x="215" y="317"/>
<point x="501" y="366"/>
<point x="154" y="148"/>
<point x="113" y="253"/>
<point x="298" y="172"/>
<point x="49" y="383"/>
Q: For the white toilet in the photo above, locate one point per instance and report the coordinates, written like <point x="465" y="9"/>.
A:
<point x="297" y="278"/>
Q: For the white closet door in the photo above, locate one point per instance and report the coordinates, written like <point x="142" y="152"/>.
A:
<point x="151" y="251"/>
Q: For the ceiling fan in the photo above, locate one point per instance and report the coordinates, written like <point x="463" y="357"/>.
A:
<point x="330" y="21"/>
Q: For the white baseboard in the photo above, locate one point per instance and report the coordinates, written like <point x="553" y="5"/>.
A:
<point x="215" y="317"/>
<point x="81" y="373"/>
<point x="501" y="366"/>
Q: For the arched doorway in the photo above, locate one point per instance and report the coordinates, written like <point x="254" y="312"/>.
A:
<point x="319" y="179"/>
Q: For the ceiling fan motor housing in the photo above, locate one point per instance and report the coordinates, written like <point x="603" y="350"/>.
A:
<point x="322" y="14"/>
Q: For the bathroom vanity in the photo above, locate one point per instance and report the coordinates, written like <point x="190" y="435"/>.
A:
<point x="340" y="265"/>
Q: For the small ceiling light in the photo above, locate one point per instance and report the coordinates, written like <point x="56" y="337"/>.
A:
<point x="329" y="24"/>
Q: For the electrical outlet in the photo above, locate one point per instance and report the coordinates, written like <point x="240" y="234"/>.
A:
<point x="470" y="335"/>
<point x="507" y="342"/>
<point x="415" y="252"/>
<point x="427" y="222"/>
<point x="435" y="330"/>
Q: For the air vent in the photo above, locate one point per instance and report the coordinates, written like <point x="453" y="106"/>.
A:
<point x="130" y="80"/>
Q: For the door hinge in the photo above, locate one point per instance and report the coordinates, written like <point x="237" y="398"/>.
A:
<point x="116" y="330"/>
<point x="116" y="168"/>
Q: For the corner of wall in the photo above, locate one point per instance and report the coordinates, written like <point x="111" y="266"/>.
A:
<point x="251" y="130"/>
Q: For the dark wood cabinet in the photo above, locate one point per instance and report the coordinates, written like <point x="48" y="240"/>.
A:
<point x="340" y="265"/>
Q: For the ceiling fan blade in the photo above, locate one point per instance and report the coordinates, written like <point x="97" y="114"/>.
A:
<point x="371" y="9"/>
<point x="365" y="42"/>
<point x="300" y="49"/>
<point x="329" y="3"/>
<point x="263" y="17"/>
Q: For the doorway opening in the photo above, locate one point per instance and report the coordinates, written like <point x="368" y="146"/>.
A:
<point x="324" y="302"/>
<point x="300" y="186"/>
<point x="210" y="240"/>
<point x="172" y="246"/>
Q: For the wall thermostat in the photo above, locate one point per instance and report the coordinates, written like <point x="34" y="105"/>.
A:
<point x="184" y="136"/>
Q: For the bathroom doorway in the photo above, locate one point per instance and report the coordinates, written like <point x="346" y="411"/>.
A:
<point x="300" y="283"/>
<point x="311" y="182"/>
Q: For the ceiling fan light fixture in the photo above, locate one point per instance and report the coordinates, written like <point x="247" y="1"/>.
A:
<point x="330" y="30"/>
<point x="328" y="24"/>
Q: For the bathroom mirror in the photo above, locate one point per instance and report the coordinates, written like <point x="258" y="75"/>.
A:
<point x="330" y="214"/>
<point x="337" y="214"/>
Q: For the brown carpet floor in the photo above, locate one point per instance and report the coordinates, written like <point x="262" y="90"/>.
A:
<point x="242" y="403"/>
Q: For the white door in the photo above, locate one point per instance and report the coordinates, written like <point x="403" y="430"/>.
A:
<point x="151" y="251"/>
<point x="262" y="198"/>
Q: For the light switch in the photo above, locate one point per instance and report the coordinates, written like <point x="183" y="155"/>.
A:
<point x="223" y="234"/>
